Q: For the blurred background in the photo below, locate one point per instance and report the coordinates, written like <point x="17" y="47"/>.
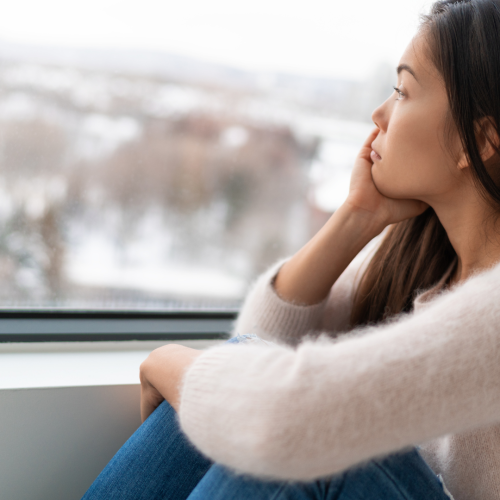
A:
<point x="160" y="155"/>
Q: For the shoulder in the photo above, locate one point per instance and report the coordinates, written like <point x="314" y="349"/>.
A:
<point x="476" y="298"/>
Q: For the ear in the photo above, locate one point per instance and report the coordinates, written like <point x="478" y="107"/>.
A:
<point x="488" y="140"/>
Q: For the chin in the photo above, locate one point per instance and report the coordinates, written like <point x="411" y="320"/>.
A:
<point x="382" y="182"/>
<point x="386" y="186"/>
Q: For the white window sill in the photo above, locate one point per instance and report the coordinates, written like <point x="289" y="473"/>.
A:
<point x="43" y="365"/>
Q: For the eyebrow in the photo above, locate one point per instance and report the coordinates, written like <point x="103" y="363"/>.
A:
<point x="402" y="67"/>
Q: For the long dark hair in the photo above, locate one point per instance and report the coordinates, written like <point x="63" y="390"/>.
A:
<point x="463" y="37"/>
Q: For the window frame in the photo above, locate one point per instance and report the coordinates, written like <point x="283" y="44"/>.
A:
<point x="51" y="325"/>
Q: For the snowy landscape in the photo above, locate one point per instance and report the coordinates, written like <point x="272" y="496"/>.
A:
<point x="153" y="181"/>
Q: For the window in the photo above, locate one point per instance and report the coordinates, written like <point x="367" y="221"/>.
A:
<point x="158" y="155"/>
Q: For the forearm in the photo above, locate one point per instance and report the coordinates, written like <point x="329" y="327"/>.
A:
<point x="430" y="374"/>
<point x="310" y="274"/>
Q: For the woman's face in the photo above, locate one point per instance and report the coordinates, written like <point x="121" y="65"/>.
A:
<point x="413" y="161"/>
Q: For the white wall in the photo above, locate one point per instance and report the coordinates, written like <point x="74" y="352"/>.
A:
<point x="55" y="440"/>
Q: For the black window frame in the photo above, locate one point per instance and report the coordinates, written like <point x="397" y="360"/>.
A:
<point x="52" y="325"/>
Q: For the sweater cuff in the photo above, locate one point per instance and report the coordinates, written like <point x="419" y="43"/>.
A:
<point x="269" y="316"/>
<point x="293" y="320"/>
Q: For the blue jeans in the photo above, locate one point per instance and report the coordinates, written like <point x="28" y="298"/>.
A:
<point x="158" y="462"/>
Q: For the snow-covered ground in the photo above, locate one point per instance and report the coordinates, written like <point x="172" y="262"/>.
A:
<point x="84" y="105"/>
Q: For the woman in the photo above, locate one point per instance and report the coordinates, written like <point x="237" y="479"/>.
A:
<point x="411" y="394"/>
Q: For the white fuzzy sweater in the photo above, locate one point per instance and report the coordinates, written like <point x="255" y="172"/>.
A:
<point x="319" y="402"/>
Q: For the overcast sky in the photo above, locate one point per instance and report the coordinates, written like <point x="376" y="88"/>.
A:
<point x="315" y="37"/>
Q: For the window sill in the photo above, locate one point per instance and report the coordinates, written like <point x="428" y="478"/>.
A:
<point x="77" y="364"/>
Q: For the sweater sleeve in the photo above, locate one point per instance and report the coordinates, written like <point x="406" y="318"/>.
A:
<point x="315" y="410"/>
<point x="267" y="315"/>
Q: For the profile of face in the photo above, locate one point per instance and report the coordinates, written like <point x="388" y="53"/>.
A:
<point x="414" y="161"/>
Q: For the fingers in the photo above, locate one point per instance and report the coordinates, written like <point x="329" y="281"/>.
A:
<point x="371" y="138"/>
<point x="366" y="149"/>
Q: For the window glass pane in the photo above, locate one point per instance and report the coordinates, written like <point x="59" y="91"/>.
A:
<point x="160" y="154"/>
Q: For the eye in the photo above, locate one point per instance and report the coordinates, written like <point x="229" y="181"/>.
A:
<point x="401" y="94"/>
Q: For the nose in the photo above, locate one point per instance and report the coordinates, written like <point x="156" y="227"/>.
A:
<point x="380" y="115"/>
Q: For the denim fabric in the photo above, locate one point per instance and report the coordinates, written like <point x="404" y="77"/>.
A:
<point x="158" y="463"/>
<point x="401" y="476"/>
<point x="248" y="338"/>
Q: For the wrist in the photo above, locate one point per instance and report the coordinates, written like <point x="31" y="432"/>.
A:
<point x="309" y="275"/>
<point x="363" y="224"/>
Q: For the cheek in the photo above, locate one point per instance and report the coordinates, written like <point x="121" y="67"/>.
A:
<point x="414" y="164"/>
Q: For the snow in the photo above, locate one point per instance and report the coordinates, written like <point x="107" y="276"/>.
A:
<point x="96" y="262"/>
<point x="101" y="135"/>
<point x="95" y="259"/>
<point x="234" y="137"/>
<point x="188" y="281"/>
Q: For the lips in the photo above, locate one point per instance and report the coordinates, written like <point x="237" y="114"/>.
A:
<point x="374" y="154"/>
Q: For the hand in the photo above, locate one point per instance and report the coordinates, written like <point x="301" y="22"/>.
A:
<point x="161" y="374"/>
<point x="364" y="196"/>
<point x="309" y="275"/>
